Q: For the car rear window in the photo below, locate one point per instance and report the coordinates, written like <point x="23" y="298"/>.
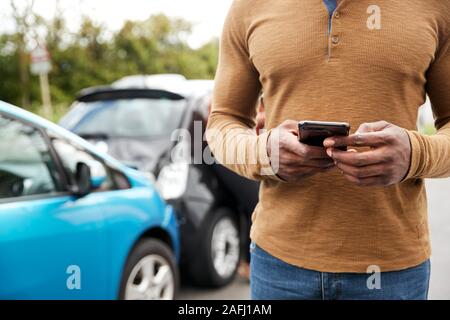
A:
<point x="130" y="117"/>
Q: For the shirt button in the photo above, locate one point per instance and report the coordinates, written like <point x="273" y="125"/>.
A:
<point x="337" y="15"/>
<point x="335" y="39"/>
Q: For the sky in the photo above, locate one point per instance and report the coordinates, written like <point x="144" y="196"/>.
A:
<point x="206" y="15"/>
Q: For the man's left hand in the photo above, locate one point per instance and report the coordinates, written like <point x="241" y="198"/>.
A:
<point x="386" y="163"/>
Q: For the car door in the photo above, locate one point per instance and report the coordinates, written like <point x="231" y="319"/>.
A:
<point x="51" y="243"/>
<point x="125" y="210"/>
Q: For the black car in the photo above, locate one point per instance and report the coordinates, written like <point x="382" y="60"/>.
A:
<point x="156" y="124"/>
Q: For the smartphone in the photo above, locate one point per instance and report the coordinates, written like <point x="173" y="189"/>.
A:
<point x="313" y="133"/>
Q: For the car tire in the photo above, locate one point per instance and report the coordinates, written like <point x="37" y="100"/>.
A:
<point x="150" y="259"/>
<point x="219" y="234"/>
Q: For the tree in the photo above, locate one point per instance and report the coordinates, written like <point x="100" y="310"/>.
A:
<point x="23" y="18"/>
<point x="93" y="55"/>
<point x="9" y="66"/>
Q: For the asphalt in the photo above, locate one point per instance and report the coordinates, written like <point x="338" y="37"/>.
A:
<point x="438" y="191"/>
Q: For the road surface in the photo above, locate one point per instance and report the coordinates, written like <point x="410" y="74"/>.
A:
<point x="439" y="212"/>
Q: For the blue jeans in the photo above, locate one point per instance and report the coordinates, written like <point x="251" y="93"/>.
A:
<point x="273" y="279"/>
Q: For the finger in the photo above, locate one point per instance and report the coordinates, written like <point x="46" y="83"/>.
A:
<point x="373" y="126"/>
<point x="367" y="182"/>
<point x="292" y="159"/>
<point x="312" y="152"/>
<point x="282" y="142"/>
<point x="357" y="159"/>
<point x="318" y="163"/>
<point x="371" y="139"/>
<point x="362" y="172"/>
<point x="290" y="125"/>
<point x="292" y="145"/>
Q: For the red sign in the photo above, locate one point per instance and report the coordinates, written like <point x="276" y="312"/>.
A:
<point x="40" y="60"/>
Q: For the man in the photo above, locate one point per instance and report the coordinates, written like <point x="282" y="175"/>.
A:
<point x="328" y="217"/>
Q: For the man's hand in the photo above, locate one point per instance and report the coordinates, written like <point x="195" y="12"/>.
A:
<point x="386" y="163"/>
<point x="291" y="160"/>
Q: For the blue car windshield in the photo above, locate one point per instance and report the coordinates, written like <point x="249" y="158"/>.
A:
<point x="126" y="118"/>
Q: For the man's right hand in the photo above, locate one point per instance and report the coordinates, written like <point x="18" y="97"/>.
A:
<point x="292" y="160"/>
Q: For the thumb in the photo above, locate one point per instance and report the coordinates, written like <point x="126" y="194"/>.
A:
<point x="290" y="125"/>
<point x="373" y="126"/>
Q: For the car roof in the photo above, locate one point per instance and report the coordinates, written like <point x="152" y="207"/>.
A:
<point x="40" y="122"/>
<point x="171" y="86"/>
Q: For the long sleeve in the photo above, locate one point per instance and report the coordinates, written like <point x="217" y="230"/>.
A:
<point x="230" y="133"/>
<point x="431" y="154"/>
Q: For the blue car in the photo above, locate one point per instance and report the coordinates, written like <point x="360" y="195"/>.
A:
<point x="75" y="223"/>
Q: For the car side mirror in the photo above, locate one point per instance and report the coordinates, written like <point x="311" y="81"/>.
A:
<point x="83" y="180"/>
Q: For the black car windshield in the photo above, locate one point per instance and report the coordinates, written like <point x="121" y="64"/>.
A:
<point x="128" y="118"/>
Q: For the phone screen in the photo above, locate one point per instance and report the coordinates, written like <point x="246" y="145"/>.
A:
<point x="313" y="133"/>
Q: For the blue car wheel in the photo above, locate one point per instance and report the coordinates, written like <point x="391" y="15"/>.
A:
<point x="150" y="273"/>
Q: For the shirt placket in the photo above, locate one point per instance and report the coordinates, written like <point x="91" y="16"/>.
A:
<point x="335" y="35"/>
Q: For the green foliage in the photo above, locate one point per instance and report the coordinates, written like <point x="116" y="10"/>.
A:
<point x="9" y="66"/>
<point x="95" y="56"/>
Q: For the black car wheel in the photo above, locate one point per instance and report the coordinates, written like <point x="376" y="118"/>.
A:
<point x="150" y="273"/>
<point x="217" y="258"/>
